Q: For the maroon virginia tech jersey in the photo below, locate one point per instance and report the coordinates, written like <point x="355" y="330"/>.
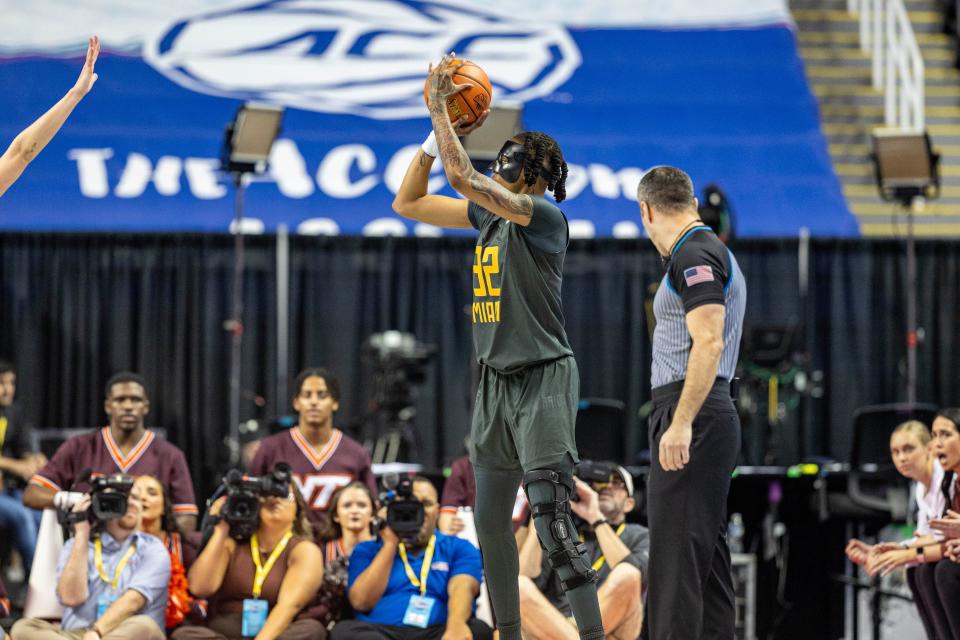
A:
<point x="460" y="490"/>
<point x="98" y="452"/>
<point x="318" y="473"/>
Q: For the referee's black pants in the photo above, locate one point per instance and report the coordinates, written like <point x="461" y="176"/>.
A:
<point x="691" y="593"/>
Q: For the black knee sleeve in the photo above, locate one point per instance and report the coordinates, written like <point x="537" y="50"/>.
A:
<point x="552" y="509"/>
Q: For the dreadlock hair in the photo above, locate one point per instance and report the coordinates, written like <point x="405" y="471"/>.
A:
<point x="539" y="145"/>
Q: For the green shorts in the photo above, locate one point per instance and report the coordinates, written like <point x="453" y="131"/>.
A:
<point x="526" y="420"/>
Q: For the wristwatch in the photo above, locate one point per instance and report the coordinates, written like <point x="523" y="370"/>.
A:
<point x="600" y="521"/>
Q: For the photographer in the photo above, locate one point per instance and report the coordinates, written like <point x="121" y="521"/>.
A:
<point x="111" y="578"/>
<point x="123" y="446"/>
<point x="422" y="587"/>
<point x="617" y="551"/>
<point x="258" y="586"/>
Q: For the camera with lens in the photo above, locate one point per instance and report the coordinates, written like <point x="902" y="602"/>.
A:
<point x="242" y="507"/>
<point x="399" y="363"/>
<point x="405" y="513"/>
<point x="108" y="500"/>
<point x="595" y="472"/>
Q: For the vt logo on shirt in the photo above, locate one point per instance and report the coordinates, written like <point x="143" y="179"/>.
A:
<point x="485" y="267"/>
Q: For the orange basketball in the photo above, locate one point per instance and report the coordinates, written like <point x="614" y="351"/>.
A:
<point x="472" y="101"/>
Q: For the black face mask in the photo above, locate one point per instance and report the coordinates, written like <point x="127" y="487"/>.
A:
<point x="509" y="162"/>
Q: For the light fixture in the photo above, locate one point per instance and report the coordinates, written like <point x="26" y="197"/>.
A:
<point x="906" y="165"/>
<point x="249" y="138"/>
<point x="908" y="172"/>
<point x="246" y="150"/>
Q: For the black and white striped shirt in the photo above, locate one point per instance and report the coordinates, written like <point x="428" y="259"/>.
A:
<point x="701" y="271"/>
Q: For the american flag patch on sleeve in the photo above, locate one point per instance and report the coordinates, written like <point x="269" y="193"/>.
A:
<point x="696" y="275"/>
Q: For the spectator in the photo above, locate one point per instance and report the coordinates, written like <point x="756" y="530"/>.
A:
<point x="112" y="581"/>
<point x="938" y="579"/>
<point x="460" y="491"/>
<point x="124" y="446"/>
<point x="322" y="457"/>
<point x="19" y="459"/>
<point x="159" y="522"/>
<point x="259" y="587"/>
<point x="423" y="588"/>
<point x="351" y="522"/>
<point x="618" y="552"/>
<point x="911" y="454"/>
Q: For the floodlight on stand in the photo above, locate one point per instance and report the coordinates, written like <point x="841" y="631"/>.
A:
<point x="246" y="150"/>
<point x="908" y="172"/>
<point x="483" y="145"/>
<point x="905" y="164"/>
<point x="249" y="138"/>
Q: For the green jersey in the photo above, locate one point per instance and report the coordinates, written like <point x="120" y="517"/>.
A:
<point x="517" y="274"/>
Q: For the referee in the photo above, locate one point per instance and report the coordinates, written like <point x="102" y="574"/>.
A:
<point x="694" y="428"/>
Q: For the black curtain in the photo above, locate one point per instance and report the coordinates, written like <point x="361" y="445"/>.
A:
<point x="76" y="308"/>
<point x="858" y="329"/>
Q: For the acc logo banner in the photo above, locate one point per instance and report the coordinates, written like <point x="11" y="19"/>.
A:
<point x="364" y="57"/>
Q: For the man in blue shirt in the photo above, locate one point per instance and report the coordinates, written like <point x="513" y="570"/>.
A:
<point x="112" y="582"/>
<point x="420" y="589"/>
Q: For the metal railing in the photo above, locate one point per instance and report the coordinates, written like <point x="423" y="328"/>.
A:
<point x="887" y="35"/>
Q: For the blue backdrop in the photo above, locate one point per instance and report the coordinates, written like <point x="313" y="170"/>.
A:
<point x="730" y="105"/>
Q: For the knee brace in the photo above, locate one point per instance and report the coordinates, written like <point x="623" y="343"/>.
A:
<point x="561" y="543"/>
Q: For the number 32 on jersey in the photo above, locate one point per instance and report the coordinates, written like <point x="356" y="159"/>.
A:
<point x="486" y="265"/>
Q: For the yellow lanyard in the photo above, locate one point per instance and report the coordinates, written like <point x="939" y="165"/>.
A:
<point x="424" y="568"/>
<point x="264" y="570"/>
<point x="602" y="558"/>
<point x="3" y="430"/>
<point x="98" y="558"/>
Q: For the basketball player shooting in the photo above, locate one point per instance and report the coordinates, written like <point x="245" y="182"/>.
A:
<point x="34" y="138"/>
<point x="525" y="410"/>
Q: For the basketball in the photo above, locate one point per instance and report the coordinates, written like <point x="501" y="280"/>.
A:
<point x="471" y="101"/>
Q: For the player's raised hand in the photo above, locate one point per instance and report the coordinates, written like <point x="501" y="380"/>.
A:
<point x="464" y="128"/>
<point x="87" y="75"/>
<point x="440" y="79"/>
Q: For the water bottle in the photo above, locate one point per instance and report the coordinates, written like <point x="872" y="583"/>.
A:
<point x="735" y="533"/>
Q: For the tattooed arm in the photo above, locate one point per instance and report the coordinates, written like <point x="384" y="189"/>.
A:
<point x="470" y="183"/>
<point x="413" y="201"/>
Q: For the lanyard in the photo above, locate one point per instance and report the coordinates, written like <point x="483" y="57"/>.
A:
<point x="264" y="570"/>
<point x="602" y="558"/>
<point x="98" y="558"/>
<point x="424" y="568"/>
<point x="3" y="430"/>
